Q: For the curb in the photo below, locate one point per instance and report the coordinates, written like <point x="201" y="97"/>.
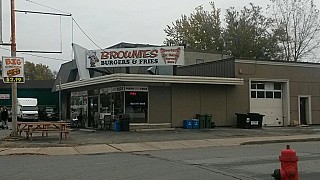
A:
<point x="279" y="141"/>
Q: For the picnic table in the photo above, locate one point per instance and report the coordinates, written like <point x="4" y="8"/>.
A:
<point x="43" y="127"/>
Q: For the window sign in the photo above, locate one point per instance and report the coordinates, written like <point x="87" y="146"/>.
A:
<point x="136" y="88"/>
<point x="123" y="88"/>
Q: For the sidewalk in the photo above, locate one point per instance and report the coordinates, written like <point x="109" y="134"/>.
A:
<point x="100" y="142"/>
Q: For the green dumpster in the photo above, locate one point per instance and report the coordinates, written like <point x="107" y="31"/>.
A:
<point x="208" y="120"/>
<point x="202" y="120"/>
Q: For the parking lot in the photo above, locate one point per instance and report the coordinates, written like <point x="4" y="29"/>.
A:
<point x="90" y="136"/>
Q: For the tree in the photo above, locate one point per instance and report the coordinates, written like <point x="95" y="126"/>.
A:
<point x="298" y="27"/>
<point x="249" y="34"/>
<point x="201" y="30"/>
<point x="37" y="71"/>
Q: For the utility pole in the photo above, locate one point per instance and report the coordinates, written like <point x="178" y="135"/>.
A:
<point x="14" y="84"/>
<point x="1" y="22"/>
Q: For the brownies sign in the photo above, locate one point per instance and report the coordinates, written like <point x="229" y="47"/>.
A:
<point x="150" y="56"/>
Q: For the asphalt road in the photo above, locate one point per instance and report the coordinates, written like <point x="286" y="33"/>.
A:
<point x="239" y="162"/>
<point x="247" y="162"/>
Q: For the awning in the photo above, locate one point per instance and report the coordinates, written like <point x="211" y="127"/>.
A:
<point x="145" y="78"/>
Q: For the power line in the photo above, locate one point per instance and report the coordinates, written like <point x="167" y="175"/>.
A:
<point x="46" y="6"/>
<point x="40" y="12"/>
<point x="45" y="57"/>
<point x="72" y="20"/>
<point x="72" y="29"/>
<point x="85" y="33"/>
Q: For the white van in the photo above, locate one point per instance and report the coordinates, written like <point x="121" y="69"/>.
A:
<point x="27" y="109"/>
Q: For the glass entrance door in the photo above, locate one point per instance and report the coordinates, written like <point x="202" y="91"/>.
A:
<point x="93" y="115"/>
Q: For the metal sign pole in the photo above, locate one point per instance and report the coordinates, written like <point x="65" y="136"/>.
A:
<point x="60" y="115"/>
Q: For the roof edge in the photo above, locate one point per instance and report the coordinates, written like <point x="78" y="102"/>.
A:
<point x="279" y="63"/>
<point x="120" y="77"/>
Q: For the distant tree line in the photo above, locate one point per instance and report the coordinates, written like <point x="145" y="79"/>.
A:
<point x="38" y="71"/>
<point x="289" y="30"/>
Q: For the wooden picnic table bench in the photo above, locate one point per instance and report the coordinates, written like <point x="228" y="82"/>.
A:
<point x="43" y="127"/>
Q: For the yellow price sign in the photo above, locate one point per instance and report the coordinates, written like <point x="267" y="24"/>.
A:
<point x="13" y="79"/>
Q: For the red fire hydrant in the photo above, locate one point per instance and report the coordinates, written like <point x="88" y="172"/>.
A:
<point x="289" y="165"/>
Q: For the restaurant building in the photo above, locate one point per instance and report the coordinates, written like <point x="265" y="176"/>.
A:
<point x="166" y="85"/>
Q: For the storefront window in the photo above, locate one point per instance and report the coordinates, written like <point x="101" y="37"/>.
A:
<point x="111" y="102"/>
<point x="105" y="103"/>
<point x="130" y="100"/>
<point x="79" y="101"/>
<point x="118" y="103"/>
<point x="137" y="106"/>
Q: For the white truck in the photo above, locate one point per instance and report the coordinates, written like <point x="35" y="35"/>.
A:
<point x="27" y="109"/>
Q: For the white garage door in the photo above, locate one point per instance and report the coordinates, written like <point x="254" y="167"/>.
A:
<point x="266" y="98"/>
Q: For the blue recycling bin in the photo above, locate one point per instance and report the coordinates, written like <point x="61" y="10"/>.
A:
<point x="195" y="124"/>
<point x="187" y="124"/>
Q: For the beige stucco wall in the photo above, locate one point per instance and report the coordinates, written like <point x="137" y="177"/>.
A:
<point x="302" y="81"/>
<point x="189" y="100"/>
<point x="185" y="102"/>
<point x="159" y="104"/>
<point x="238" y="102"/>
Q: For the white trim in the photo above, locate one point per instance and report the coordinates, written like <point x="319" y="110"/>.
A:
<point x="119" y="77"/>
<point x="279" y="63"/>
<point x="269" y="80"/>
<point x="286" y="104"/>
<point x="308" y="110"/>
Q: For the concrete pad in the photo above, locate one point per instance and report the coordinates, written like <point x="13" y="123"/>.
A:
<point x="95" y="149"/>
<point x="196" y="143"/>
<point x="12" y="151"/>
<point x="59" y="151"/>
<point x="166" y="145"/>
<point x="133" y="147"/>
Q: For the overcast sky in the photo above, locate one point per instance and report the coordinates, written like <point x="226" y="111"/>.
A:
<point x="106" y="22"/>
